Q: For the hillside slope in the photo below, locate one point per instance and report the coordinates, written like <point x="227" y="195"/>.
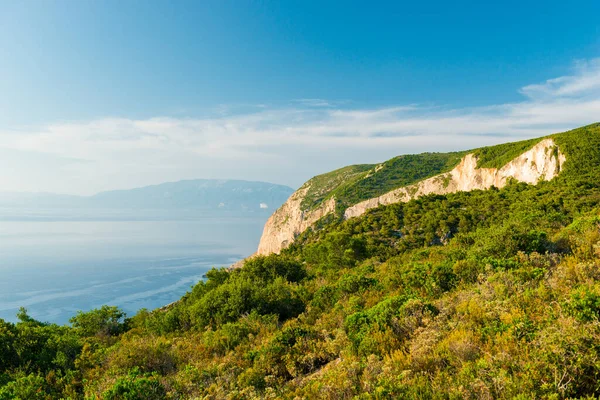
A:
<point x="353" y="190"/>
<point x="482" y="294"/>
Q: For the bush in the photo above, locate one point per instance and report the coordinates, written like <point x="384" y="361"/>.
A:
<point x="271" y="267"/>
<point x="145" y="354"/>
<point x="467" y="270"/>
<point x="136" y="386"/>
<point x="585" y="304"/>
<point x="241" y="295"/>
<point x="104" y="321"/>
<point x="391" y="320"/>
<point x="508" y="239"/>
<point x="8" y="354"/>
<point x="26" y="387"/>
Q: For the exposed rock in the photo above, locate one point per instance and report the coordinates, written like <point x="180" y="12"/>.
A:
<point x="538" y="163"/>
<point x="240" y="263"/>
<point x="542" y="162"/>
<point x="289" y="221"/>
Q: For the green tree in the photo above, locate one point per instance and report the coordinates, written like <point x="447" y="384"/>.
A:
<point x="104" y="321"/>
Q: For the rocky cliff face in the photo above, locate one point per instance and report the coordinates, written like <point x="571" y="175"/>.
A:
<point x="542" y="162"/>
<point x="289" y="221"/>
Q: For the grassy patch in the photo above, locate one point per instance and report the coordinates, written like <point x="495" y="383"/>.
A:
<point x="356" y="183"/>
<point x="500" y="155"/>
<point x="323" y="186"/>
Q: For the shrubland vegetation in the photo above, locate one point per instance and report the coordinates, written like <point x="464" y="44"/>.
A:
<point x="397" y="172"/>
<point x="322" y="187"/>
<point x="353" y="184"/>
<point x="486" y="294"/>
<point x="500" y="155"/>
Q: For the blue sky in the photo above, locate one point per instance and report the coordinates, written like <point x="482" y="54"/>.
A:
<point x="96" y="95"/>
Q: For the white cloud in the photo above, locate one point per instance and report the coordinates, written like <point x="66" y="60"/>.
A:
<point x="317" y="102"/>
<point x="286" y="145"/>
<point x="585" y="82"/>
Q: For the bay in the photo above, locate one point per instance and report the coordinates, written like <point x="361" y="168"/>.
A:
<point x="56" y="262"/>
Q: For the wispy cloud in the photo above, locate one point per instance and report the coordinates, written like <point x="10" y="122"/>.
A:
<point x="316" y="102"/>
<point x="585" y="82"/>
<point x="285" y="144"/>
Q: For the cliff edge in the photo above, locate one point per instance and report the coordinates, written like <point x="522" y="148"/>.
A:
<point x="543" y="161"/>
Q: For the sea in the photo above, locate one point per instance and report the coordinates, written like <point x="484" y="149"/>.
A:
<point x="58" y="262"/>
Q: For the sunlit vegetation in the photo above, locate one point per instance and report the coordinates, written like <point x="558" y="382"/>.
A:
<point x="353" y="184"/>
<point x="486" y="294"/>
<point x="500" y="155"/>
<point x="321" y="187"/>
<point x="397" y="172"/>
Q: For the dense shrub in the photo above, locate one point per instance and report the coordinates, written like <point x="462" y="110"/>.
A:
<point x="136" y="386"/>
<point x="105" y="321"/>
<point x="26" y="387"/>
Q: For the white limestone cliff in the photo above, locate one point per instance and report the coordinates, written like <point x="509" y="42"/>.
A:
<point x="289" y="221"/>
<point x="542" y="162"/>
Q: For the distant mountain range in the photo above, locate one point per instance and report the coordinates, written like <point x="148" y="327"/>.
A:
<point x="198" y="194"/>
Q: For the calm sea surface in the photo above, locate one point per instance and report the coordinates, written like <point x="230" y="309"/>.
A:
<point x="55" y="263"/>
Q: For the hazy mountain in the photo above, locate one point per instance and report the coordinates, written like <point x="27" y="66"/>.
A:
<point x="198" y="194"/>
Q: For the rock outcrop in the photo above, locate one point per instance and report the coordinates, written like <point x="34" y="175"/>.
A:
<point x="289" y="221"/>
<point x="542" y="162"/>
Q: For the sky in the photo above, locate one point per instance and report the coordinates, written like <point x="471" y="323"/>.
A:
<point x="101" y="95"/>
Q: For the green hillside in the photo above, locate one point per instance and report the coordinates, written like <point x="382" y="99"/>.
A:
<point x="353" y="184"/>
<point x="500" y="155"/>
<point x="471" y="295"/>
<point x="323" y="187"/>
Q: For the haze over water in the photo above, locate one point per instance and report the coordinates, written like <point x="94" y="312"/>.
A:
<point x="55" y="263"/>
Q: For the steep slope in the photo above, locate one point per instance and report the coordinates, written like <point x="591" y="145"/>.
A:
<point x="542" y="162"/>
<point x="409" y="177"/>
